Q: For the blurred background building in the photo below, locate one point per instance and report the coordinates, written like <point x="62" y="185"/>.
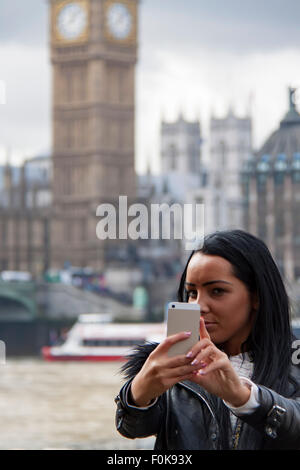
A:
<point x="230" y="147"/>
<point x="271" y="185"/>
<point x="48" y="205"/>
<point x="180" y="157"/>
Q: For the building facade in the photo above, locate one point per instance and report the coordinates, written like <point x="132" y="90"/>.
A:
<point x="230" y="147"/>
<point x="271" y="184"/>
<point x="93" y="55"/>
<point x="25" y="216"/>
<point x="180" y="156"/>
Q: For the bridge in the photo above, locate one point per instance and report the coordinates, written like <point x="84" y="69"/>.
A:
<point x="33" y="313"/>
<point x="28" y="301"/>
<point x="17" y="301"/>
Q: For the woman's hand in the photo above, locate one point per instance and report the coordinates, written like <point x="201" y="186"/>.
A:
<point x="206" y="365"/>
<point x="215" y="372"/>
<point x="160" y="371"/>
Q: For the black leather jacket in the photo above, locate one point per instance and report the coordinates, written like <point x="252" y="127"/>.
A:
<point x="184" y="419"/>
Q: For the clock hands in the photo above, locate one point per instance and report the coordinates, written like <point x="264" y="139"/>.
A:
<point x="73" y="17"/>
<point x="72" y="20"/>
<point x="119" y="20"/>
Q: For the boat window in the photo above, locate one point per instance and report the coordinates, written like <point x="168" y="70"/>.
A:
<point x="111" y="342"/>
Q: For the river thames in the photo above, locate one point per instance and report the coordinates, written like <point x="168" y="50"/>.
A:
<point x="61" y="405"/>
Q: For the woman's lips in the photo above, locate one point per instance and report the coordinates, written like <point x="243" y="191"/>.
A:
<point x="210" y="324"/>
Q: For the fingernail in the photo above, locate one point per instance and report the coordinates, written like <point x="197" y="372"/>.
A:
<point x="194" y="362"/>
<point x="202" y="372"/>
<point x="202" y="365"/>
<point x="189" y="354"/>
<point x="187" y="333"/>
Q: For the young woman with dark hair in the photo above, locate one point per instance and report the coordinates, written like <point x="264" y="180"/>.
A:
<point x="237" y="388"/>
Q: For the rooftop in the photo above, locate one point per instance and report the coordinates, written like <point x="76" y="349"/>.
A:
<point x="286" y="139"/>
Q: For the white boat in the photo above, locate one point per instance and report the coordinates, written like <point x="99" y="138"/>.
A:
<point x="93" y="338"/>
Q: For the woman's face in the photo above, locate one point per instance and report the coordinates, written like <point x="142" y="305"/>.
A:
<point x="226" y="305"/>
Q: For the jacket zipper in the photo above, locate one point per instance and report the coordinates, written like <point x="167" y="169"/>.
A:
<point x="202" y="398"/>
<point x="205" y="401"/>
<point x="237" y="432"/>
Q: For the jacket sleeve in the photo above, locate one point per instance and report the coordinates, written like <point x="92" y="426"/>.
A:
<point x="277" y="417"/>
<point x="135" y="422"/>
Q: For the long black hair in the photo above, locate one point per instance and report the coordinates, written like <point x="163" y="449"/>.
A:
<point x="270" y="338"/>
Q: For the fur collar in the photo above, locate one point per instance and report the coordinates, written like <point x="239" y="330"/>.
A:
<point x="136" y="359"/>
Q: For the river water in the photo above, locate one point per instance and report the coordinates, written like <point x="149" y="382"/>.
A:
<point x="63" y="405"/>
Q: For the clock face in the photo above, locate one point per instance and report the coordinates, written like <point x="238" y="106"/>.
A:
<point x="71" y="21"/>
<point x="119" y="20"/>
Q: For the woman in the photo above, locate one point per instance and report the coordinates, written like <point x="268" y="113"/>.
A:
<point x="237" y="388"/>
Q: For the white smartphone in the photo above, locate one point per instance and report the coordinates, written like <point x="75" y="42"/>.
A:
<point x="183" y="317"/>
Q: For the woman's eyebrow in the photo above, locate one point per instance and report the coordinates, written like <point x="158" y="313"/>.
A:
<point x="207" y="283"/>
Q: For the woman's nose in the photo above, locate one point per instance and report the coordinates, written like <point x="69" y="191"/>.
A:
<point x="201" y="300"/>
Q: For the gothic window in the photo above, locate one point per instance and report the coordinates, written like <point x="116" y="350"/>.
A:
<point x="67" y="134"/>
<point x="280" y="167"/>
<point x="3" y="232"/>
<point x="193" y="157"/>
<point x="262" y="231"/>
<point x="117" y="83"/>
<point x="296" y="176"/>
<point x="173" y="156"/>
<point x="73" y="83"/>
<point x="296" y="168"/>
<point x="223" y="156"/>
<point x="126" y="135"/>
<point x="263" y="168"/>
<point x="279" y="226"/>
<point x="261" y="182"/>
<point x="67" y="180"/>
<point x="296" y="216"/>
<point x="37" y="228"/>
<point x="279" y="177"/>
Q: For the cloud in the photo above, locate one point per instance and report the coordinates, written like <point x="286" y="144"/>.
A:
<point x="194" y="56"/>
<point x="24" y="22"/>
<point x="209" y="85"/>
<point x="25" y="118"/>
<point x="232" y="25"/>
<point x="199" y="56"/>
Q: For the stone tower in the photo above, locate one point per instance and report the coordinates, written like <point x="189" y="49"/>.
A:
<point x="93" y="55"/>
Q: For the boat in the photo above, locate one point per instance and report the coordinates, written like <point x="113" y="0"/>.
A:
<point x="95" y="338"/>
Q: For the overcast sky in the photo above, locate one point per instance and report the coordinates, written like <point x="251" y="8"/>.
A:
<point x="195" y="56"/>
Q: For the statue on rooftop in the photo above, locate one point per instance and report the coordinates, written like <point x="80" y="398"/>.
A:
<point x="292" y="92"/>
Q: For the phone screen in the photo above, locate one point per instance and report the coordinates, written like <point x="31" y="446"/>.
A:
<point x="183" y="317"/>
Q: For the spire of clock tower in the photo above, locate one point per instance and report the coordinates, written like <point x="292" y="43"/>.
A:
<point x="93" y="52"/>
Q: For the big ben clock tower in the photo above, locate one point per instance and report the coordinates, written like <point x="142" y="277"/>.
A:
<point x="93" y="54"/>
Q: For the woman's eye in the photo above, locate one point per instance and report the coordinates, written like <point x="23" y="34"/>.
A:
<point x="217" y="291"/>
<point x="191" y="294"/>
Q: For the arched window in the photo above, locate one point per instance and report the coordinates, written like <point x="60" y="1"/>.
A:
<point x="296" y="167"/>
<point x="263" y="168"/>
<point x="173" y="156"/>
<point x="280" y="167"/>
